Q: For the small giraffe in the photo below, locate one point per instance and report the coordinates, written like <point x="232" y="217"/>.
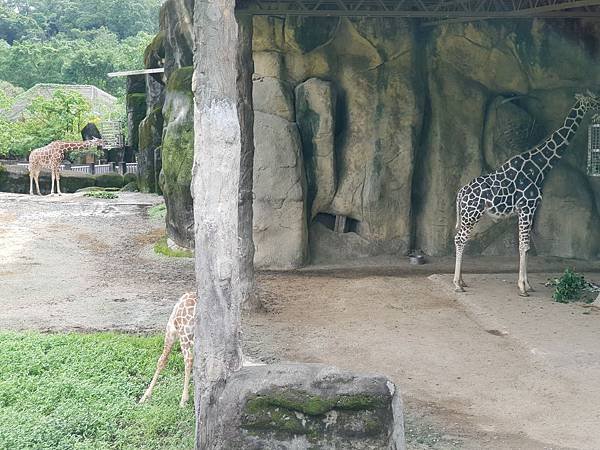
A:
<point x="515" y="188"/>
<point x="50" y="157"/>
<point x="180" y="325"/>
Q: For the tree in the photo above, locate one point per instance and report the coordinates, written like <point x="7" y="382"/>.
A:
<point x="14" y="26"/>
<point x="84" y="60"/>
<point x="124" y="18"/>
<point x="58" y="118"/>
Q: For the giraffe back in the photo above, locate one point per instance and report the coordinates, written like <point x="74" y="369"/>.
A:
<point x="182" y="318"/>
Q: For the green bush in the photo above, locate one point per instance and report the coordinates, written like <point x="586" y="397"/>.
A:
<point x="107" y="180"/>
<point x="570" y="287"/>
<point x="130" y="187"/>
<point x="67" y="391"/>
<point x="129" y="178"/>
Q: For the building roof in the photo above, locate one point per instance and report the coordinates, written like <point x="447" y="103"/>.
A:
<point x="98" y="99"/>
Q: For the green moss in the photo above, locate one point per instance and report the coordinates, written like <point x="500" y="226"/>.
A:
<point x="161" y="247"/>
<point x="313" y="404"/>
<point x="181" y="80"/>
<point x="272" y="418"/>
<point x="136" y="101"/>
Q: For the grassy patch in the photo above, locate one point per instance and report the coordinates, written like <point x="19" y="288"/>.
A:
<point x="158" y="211"/>
<point x="106" y="195"/>
<point x="80" y="391"/>
<point x="162" y="248"/>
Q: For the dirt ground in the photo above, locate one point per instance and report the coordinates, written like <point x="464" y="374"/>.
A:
<point x="483" y="369"/>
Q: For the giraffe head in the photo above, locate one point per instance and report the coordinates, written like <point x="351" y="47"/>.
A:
<point x="96" y="142"/>
<point x="588" y="101"/>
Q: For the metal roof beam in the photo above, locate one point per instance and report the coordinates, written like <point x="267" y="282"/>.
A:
<point x="450" y="9"/>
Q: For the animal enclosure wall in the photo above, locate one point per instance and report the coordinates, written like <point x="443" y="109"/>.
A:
<point x="382" y="120"/>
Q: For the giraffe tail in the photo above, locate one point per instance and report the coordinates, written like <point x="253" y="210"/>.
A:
<point x="458" y="199"/>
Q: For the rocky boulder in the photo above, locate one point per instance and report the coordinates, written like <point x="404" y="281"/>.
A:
<point x="150" y="138"/>
<point x="280" y="223"/>
<point x="177" y="157"/>
<point x="176" y="22"/>
<point x="315" y="113"/>
<point x="309" y="406"/>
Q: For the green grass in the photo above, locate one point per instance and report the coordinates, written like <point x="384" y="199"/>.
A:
<point x="158" y="211"/>
<point x="80" y="391"/>
<point x="162" y="248"/>
<point x="104" y="194"/>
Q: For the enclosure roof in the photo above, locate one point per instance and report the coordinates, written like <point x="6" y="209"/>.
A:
<point x="136" y="72"/>
<point x="426" y="9"/>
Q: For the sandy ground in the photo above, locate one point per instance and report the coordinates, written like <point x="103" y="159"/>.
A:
<point x="483" y="369"/>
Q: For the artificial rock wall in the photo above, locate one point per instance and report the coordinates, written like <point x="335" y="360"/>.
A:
<point x="382" y="121"/>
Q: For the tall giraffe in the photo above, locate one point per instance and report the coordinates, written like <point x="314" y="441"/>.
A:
<point x="515" y="188"/>
<point x="50" y="157"/>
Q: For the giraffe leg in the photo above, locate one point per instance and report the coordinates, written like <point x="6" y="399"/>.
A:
<point x="170" y="338"/>
<point x="30" y="182"/>
<point x="188" y="356"/>
<point x="525" y="222"/>
<point x="460" y="240"/>
<point x="52" y="185"/>
<point x="37" y="182"/>
<point x="58" y="182"/>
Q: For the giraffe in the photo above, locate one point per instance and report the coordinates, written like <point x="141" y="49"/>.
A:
<point x="515" y="188"/>
<point x="51" y="156"/>
<point x="180" y="326"/>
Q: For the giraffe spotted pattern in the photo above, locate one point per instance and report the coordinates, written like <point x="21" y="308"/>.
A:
<point x="50" y="157"/>
<point x="515" y="189"/>
<point x="180" y="326"/>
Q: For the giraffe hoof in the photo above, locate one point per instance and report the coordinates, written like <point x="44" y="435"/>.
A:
<point x="459" y="289"/>
<point x="523" y="294"/>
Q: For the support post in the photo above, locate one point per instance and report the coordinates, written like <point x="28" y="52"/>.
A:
<point x="222" y="192"/>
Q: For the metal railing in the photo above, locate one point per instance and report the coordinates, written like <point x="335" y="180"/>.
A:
<point x="96" y="169"/>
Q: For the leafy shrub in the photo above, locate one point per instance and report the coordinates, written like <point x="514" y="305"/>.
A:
<point x="129" y="177"/>
<point x="101" y="194"/>
<point x="107" y="180"/>
<point x="570" y="287"/>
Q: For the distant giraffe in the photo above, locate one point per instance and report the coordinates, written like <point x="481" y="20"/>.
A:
<point x="180" y="326"/>
<point x="515" y="188"/>
<point x="50" y="157"/>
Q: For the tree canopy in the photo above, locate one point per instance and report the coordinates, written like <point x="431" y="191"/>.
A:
<point x="51" y="17"/>
<point x="74" y="41"/>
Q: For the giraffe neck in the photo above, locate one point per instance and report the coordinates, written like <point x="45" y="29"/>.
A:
<point x="556" y="145"/>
